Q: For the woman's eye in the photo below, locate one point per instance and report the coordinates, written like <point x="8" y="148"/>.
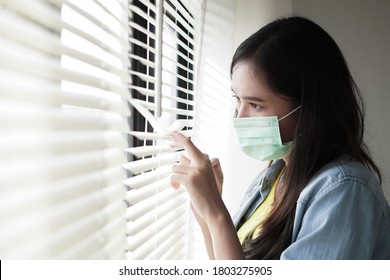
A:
<point x="256" y="106"/>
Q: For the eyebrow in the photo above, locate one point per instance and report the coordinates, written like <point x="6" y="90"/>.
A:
<point x="250" y="98"/>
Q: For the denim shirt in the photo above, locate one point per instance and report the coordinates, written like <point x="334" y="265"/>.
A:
<point x="341" y="214"/>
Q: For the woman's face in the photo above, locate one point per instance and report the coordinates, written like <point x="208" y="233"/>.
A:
<point x="255" y="99"/>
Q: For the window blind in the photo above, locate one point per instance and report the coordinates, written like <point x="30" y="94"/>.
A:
<point x="63" y="129"/>
<point x="88" y="89"/>
<point x="165" y="45"/>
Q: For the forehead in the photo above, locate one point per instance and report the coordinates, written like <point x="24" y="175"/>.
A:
<point x="246" y="82"/>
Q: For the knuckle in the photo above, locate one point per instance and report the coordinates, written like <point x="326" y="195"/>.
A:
<point x="187" y="141"/>
<point x="191" y="180"/>
<point x="206" y="158"/>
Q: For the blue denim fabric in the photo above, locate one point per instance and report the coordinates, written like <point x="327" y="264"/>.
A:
<point x="341" y="214"/>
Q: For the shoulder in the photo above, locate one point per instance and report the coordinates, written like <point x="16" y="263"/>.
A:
<point x="339" y="176"/>
<point x="341" y="206"/>
<point x="345" y="186"/>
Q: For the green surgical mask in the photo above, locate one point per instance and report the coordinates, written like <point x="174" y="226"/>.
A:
<point x="259" y="137"/>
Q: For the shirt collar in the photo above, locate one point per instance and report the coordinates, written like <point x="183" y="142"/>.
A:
<point x="271" y="174"/>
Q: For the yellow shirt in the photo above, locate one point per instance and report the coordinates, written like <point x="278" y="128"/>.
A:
<point x="251" y="227"/>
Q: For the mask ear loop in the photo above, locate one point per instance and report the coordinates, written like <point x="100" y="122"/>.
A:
<point x="290" y="113"/>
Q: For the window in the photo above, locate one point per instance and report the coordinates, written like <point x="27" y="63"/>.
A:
<point x="162" y="68"/>
<point x="84" y="100"/>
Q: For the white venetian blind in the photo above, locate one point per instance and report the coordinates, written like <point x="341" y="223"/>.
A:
<point x="87" y="90"/>
<point x="63" y="129"/>
<point x="165" y="46"/>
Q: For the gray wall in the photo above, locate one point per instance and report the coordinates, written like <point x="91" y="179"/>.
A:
<point x="361" y="29"/>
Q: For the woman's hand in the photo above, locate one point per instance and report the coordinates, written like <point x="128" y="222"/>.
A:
<point x="218" y="174"/>
<point x="203" y="180"/>
<point x="203" y="226"/>
<point x="201" y="177"/>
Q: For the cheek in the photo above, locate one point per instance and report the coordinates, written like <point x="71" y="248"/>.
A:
<point x="287" y="129"/>
<point x="243" y="110"/>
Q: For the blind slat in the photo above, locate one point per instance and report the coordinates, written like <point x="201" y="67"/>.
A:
<point x="179" y="88"/>
<point x="138" y="166"/>
<point x="178" y="99"/>
<point x="173" y="25"/>
<point x="149" y="5"/>
<point x="148" y="205"/>
<point x="143" y="179"/>
<point x="42" y="41"/>
<point x="147" y="135"/>
<point x="58" y="217"/>
<point x="63" y="239"/>
<point x="183" y="78"/>
<point x="184" y="13"/>
<point x="135" y="196"/>
<point x="142" y="76"/>
<point x="148" y="92"/>
<point x="97" y="22"/>
<point x="176" y="39"/>
<point x="182" y="67"/>
<point x="87" y="247"/>
<point x="155" y="136"/>
<point x="145" y="151"/>
<point x="52" y="70"/>
<point x="142" y="29"/>
<point x="171" y="248"/>
<point x="14" y="116"/>
<point x="150" y="106"/>
<point x="38" y="11"/>
<point x="94" y="41"/>
<point x="158" y="227"/>
<point x="36" y="248"/>
<point x="147" y="248"/>
<point x="34" y="196"/>
<point x="178" y="53"/>
<point x="41" y="171"/>
<point x="140" y="12"/>
<point x="143" y="61"/>
<point x="52" y="95"/>
<point x="137" y="226"/>
<point x="143" y="91"/>
<point x="14" y="145"/>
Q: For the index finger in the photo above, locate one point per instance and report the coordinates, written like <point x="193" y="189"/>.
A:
<point x="181" y="141"/>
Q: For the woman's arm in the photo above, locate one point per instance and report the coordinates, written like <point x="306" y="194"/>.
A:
<point x="199" y="178"/>
<point x="203" y="226"/>
<point x="206" y="234"/>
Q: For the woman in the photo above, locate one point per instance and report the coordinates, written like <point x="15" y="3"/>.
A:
<point x="299" y="108"/>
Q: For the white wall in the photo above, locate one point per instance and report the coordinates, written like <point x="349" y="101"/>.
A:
<point x="253" y="14"/>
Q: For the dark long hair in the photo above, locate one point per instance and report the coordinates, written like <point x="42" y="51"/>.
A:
<point x="300" y="61"/>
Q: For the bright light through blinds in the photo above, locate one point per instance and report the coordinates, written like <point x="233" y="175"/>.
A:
<point x="63" y="125"/>
<point x="158" y="216"/>
<point x="85" y="165"/>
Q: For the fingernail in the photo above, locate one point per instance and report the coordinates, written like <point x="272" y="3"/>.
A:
<point x="172" y="144"/>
